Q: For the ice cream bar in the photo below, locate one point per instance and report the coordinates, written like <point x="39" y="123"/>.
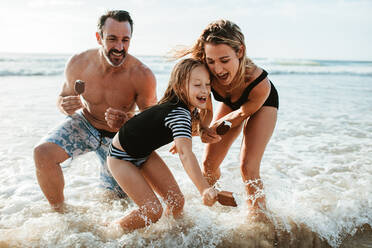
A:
<point x="223" y="128"/>
<point x="226" y="198"/>
<point x="79" y="87"/>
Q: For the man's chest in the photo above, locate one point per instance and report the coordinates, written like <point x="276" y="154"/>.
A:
<point x="113" y="91"/>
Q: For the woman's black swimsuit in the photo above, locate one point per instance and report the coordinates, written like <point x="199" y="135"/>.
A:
<point x="272" y="100"/>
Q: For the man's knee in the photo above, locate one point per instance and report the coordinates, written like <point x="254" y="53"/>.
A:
<point x="47" y="154"/>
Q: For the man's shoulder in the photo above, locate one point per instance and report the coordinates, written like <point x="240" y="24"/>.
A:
<point x="137" y="65"/>
<point x="80" y="59"/>
<point x="138" y="69"/>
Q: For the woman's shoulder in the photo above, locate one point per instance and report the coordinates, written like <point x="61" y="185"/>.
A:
<point x="252" y="72"/>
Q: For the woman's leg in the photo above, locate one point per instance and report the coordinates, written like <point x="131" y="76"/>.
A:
<point x="215" y="153"/>
<point x="257" y="133"/>
<point x="162" y="181"/>
<point x="136" y="187"/>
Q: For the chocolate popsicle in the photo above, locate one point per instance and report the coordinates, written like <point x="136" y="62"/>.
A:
<point x="223" y="128"/>
<point x="226" y="198"/>
<point x="79" y="87"/>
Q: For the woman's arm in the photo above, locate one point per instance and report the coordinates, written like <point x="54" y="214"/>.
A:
<point x="257" y="98"/>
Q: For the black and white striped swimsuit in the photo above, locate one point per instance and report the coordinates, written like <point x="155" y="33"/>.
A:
<point x="151" y="129"/>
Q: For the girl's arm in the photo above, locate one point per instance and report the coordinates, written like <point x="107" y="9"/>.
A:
<point x="191" y="166"/>
<point x="207" y="135"/>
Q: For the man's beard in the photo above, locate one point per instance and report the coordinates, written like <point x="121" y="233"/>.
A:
<point x="113" y="62"/>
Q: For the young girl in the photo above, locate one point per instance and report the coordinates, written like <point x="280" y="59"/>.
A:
<point x="132" y="161"/>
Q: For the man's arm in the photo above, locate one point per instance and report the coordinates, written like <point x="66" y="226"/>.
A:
<point x="146" y="89"/>
<point x="145" y="84"/>
<point x="68" y="101"/>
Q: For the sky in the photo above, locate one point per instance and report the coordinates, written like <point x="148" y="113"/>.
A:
<point x="306" y="29"/>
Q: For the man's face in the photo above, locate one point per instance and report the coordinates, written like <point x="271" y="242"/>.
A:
<point x="115" y="41"/>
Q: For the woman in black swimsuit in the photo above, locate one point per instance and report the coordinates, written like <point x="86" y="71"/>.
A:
<point x="248" y="100"/>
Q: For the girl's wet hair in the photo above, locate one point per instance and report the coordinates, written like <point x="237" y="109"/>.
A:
<point x="178" y="83"/>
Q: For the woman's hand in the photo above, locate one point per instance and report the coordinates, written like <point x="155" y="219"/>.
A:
<point x="209" y="135"/>
<point x="209" y="196"/>
<point x="215" y="124"/>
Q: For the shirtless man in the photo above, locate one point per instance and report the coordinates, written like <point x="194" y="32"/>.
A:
<point x="115" y="82"/>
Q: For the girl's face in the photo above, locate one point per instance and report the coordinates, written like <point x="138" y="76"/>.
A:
<point x="199" y="87"/>
<point x="222" y="61"/>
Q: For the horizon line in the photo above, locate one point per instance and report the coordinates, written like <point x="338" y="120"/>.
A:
<point x="159" y="55"/>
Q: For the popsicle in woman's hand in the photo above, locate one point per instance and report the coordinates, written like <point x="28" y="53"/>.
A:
<point x="223" y="128"/>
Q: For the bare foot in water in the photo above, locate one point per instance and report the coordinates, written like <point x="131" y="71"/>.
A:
<point x="66" y="208"/>
<point x="59" y="208"/>
<point x="113" y="230"/>
<point x="257" y="214"/>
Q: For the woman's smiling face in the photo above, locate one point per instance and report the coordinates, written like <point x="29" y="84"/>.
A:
<point x="222" y="61"/>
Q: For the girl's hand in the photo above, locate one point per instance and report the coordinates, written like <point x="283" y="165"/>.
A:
<point x="173" y="149"/>
<point x="209" y="196"/>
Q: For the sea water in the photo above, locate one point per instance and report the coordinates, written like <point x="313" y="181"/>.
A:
<point x="317" y="168"/>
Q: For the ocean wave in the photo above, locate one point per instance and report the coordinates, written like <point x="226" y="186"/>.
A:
<point x="23" y="73"/>
<point x="345" y="73"/>
<point x="158" y="71"/>
<point x="51" y="65"/>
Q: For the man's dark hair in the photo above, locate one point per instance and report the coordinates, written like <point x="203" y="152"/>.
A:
<point x="118" y="15"/>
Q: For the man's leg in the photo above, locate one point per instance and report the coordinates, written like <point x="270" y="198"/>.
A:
<point x="47" y="157"/>
<point x="71" y="138"/>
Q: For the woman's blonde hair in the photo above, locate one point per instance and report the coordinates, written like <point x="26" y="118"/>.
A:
<point x="177" y="86"/>
<point x="222" y="32"/>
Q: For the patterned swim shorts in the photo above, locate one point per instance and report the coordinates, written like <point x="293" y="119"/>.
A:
<point x="77" y="136"/>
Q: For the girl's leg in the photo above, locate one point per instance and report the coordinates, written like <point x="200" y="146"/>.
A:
<point x="257" y="133"/>
<point x="162" y="181"/>
<point x="215" y="153"/>
<point x="136" y="187"/>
